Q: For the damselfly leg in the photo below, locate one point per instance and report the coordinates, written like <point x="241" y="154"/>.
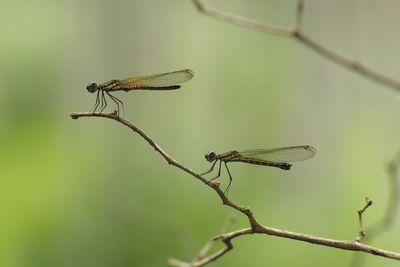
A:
<point x="103" y="98"/>
<point x="219" y="174"/>
<point x="230" y="179"/>
<point x="116" y="100"/>
<point x="211" y="169"/>
<point x="97" y="103"/>
<point x="219" y="171"/>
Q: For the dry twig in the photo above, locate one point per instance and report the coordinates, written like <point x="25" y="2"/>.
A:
<point x="361" y="231"/>
<point x="296" y="33"/>
<point x="201" y="255"/>
<point x="206" y="248"/>
<point x="255" y="226"/>
<point x="391" y="210"/>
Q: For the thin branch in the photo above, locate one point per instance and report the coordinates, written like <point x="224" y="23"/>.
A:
<point x="206" y="248"/>
<point x="299" y="15"/>
<point x="201" y="258"/>
<point x="245" y="22"/>
<point x="361" y="231"/>
<point x="255" y="226"/>
<point x="299" y="35"/>
<point x="391" y="210"/>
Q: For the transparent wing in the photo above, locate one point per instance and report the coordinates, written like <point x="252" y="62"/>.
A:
<point x="282" y="154"/>
<point x="158" y="80"/>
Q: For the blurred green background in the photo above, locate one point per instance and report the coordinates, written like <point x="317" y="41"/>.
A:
<point x="91" y="193"/>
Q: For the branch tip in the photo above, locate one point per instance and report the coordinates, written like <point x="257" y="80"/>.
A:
<point x="73" y="115"/>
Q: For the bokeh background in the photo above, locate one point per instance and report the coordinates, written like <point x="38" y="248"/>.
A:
<point x="92" y="193"/>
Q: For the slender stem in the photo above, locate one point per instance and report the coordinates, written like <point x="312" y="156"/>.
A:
<point x="206" y="248"/>
<point x="297" y="34"/>
<point x="255" y="226"/>
<point x="245" y="22"/>
<point x="226" y="239"/>
<point x="391" y="210"/>
<point x="361" y="231"/>
<point x="299" y="15"/>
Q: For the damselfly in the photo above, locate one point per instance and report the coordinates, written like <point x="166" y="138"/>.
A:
<point x="164" y="81"/>
<point x="274" y="157"/>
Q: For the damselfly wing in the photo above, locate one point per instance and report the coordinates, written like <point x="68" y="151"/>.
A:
<point x="282" y="154"/>
<point x="164" y="81"/>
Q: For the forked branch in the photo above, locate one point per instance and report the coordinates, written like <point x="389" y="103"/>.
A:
<point x="255" y="226"/>
<point x="296" y="33"/>
<point x="361" y="231"/>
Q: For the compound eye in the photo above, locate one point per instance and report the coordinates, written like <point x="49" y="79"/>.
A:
<point x="92" y="87"/>
<point x="210" y="156"/>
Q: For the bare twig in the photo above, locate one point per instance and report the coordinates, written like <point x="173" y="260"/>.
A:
<point x="393" y="202"/>
<point x="255" y="226"/>
<point x="228" y="246"/>
<point x="299" y="35"/>
<point x="201" y="258"/>
<point x="361" y="231"/>
<point x="206" y="248"/>
<point x="245" y="22"/>
<point x="299" y="15"/>
<point x="391" y="210"/>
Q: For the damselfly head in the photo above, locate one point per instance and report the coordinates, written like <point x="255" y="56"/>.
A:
<point x="211" y="156"/>
<point x="92" y="87"/>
